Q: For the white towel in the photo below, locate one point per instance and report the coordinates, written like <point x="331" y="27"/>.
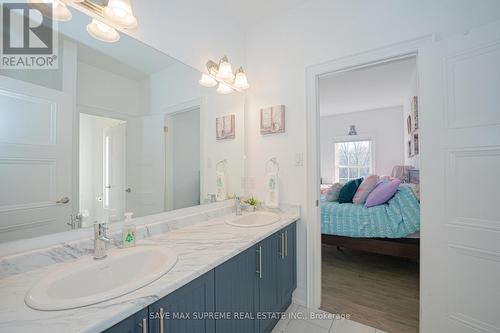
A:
<point x="272" y="196"/>
<point x="221" y="186"/>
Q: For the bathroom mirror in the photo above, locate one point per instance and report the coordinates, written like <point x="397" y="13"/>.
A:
<point x="117" y="127"/>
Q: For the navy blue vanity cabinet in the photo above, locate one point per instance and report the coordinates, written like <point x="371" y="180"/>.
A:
<point x="137" y="323"/>
<point x="186" y="309"/>
<point x="288" y="265"/>
<point x="246" y="294"/>
<point x="269" y="255"/>
<point x="236" y="293"/>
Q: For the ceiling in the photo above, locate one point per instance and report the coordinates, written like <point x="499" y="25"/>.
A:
<point x="250" y="12"/>
<point x="368" y="88"/>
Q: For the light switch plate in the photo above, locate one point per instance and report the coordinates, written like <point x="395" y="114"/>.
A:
<point x="299" y="159"/>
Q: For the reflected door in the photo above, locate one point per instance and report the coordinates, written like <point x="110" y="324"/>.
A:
<point x="114" y="165"/>
<point x="35" y="160"/>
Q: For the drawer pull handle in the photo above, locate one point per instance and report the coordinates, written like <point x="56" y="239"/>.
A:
<point x="259" y="271"/>
<point x="162" y="315"/>
<point x="282" y="243"/>
<point x="286" y="243"/>
<point x="144" y="325"/>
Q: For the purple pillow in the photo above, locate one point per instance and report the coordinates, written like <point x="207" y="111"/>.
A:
<point x="382" y="193"/>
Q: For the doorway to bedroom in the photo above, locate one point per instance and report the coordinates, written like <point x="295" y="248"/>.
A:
<point x="370" y="212"/>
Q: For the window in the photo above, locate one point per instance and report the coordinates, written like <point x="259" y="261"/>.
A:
<point x="353" y="159"/>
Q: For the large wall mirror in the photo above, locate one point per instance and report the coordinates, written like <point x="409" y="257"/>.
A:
<point x="118" y="127"/>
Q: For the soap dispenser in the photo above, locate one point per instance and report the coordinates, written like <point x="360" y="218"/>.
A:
<point x="129" y="231"/>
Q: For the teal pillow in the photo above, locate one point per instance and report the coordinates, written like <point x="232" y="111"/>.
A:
<point x="349" y="190"/>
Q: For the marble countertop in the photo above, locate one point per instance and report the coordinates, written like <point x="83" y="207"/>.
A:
<point x="200" y="247"/>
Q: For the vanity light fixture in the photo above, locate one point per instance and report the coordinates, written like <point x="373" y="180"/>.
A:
<point x="107" y="16"/>
<point x="102" y="31"/>
<point x="222" y="74"/>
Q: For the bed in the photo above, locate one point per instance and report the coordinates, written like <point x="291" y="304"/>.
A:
<point x="390" y="229"/>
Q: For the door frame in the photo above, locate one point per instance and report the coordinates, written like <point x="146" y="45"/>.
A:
<point x="196" y="104"/>
<point x="401" y="50"/>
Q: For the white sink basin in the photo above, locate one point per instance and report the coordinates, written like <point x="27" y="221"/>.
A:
<point x="89" y="281"/>
<point x="256" y="219"/>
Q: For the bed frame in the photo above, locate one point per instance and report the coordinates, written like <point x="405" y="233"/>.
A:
<point x="407" y="248"/>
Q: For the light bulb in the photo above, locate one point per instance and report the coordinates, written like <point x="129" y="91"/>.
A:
<point x="59" y="11"/>
<point x="225" y="71"/>
<point x="241" y="81"/>
<point x="120" y="13"/>
<point x="102" y="31"/>
<point x="207" y="81"/>
<point x="224" y="89"/>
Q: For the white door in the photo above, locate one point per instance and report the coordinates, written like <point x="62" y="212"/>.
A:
<point x="460" y="164"/>
<point x="114" y="171"/>
<point x="35" y="160"/>
<point x="145" y="165"/>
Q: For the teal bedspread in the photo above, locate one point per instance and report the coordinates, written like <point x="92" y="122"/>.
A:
<point x="398" y="218"/>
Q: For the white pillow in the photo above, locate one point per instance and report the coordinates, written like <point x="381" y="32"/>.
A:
<point x="333" y="193"/>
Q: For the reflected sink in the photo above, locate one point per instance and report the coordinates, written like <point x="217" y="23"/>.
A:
<point x="88" y="281"/>
<point x="256" y="219"/>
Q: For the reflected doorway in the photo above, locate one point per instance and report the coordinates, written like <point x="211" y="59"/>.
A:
<point x="102" y="165"/>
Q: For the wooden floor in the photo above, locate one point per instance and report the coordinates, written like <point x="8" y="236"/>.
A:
<point x="376" y="290"/>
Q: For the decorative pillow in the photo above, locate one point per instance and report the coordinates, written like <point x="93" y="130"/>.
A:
<point x="365" y="188"/>
<point x="333" y="192"/>
<point x="382" y="193"/>
<point x="348" y="190"/>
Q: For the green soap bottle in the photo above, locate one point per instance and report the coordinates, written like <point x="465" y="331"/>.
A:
<point x="128" y="231"/>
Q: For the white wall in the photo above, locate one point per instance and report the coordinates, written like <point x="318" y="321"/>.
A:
<point x="383" y="126"/>
<point x="279" y="50"/>
<point x="191" y="31"/>
<point x="106" y="91"/>
<point x="176" y="88"/>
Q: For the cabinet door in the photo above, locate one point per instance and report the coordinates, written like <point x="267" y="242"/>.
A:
<point x="269" y="291"/>
<point x="180" y="312"/>
<point x="236" y="292"/>
<point x="288" y="265"/>
<point x="133" y="324"/>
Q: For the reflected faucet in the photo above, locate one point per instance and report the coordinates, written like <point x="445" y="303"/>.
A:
<point x="100" y="240"/>
<point x="238" y="205"/>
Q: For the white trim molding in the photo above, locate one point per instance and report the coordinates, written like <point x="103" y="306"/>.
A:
<point x="402" y="50"/>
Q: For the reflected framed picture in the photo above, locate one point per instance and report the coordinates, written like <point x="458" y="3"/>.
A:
<point x="408" y="124"/>
<point x="225" y="127"/>
<point x="410" y="148"/>
<point x="272" y="120"/>
<point x="415" y="144"/>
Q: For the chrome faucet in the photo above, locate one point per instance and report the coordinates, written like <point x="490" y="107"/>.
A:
<point x="239" y="206"/>
<point x="100" y="240"/>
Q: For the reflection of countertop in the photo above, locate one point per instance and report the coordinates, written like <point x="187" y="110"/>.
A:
<point x="200" y="248"/>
